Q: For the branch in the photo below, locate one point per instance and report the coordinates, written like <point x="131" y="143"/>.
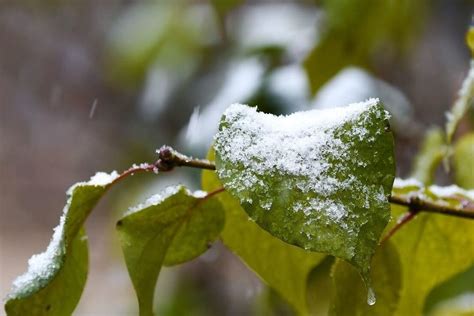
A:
<point x="212" y="193"/>
<point x="170" y="158"/>
<point x="144" y="167"/>
<point x="416" y="203"/>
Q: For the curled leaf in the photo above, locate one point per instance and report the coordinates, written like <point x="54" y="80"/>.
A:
<point x="64" y="264"/>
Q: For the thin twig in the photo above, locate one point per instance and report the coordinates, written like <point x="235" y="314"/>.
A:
<point x="146" y="167"/>
<point x="212" y="193"/>
<point x="170" y="158"/>
<point x="209" y="195"/>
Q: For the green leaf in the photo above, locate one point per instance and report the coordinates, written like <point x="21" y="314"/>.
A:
<point x="429" y="157"/>
<point x="269" y="302"/>
<point x="444" y="295"/>
<point x="223" y="8"/>
<point x="55" y="279"/>
<point x="321" y="288"/>
<point x="464" y="162"/>
<point x="432" y="248"/>
<point x="350" y="294"/>
<point x="154" y="35"/>
<point x="457" y="307"/>
<point x="329" y="57"/>
<point x="355" y="31"/>
<point x="172" y="227"/>
<point x="318" y="179"/>
<point x="283" y="267"/>
<point x="470" y="39"/>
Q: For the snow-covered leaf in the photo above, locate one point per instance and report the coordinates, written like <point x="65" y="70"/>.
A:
<point x="171" y="227"/>
<point x="283" y="267"/>
<point x="55" y="278"/>
<point x="319" y="180"/>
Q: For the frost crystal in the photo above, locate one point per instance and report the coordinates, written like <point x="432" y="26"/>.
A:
<point x="103" y="178"/>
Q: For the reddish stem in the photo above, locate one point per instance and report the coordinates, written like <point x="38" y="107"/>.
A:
<point x="212" y="193"/>
<point x="405" y="218"/>
<point x="136" y="169"/>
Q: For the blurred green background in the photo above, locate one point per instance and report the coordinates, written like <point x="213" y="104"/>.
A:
<point x="98" y="85"/>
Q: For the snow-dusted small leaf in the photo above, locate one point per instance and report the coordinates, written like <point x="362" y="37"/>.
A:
<point x="284" y="267"/>
<point x="172" y="227"/>
<point x="55" y="278"/>
<point x="319" y="180"/>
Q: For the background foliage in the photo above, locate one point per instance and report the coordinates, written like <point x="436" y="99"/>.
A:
<point x="147" y="65"/>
